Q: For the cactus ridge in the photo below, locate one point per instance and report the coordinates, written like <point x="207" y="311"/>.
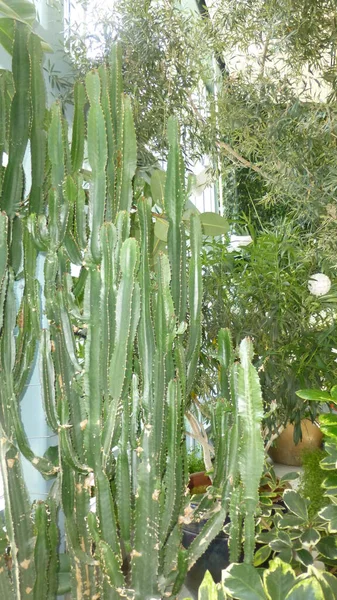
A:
<point x="19" y="123"/>
<point x="38" y="132"/>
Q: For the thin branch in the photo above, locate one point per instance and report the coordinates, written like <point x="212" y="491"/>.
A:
<point x="246" y="163"/>
<point x="229" y="150"/>
<point x="273" y="438"/>
<point x="265" y="54"/>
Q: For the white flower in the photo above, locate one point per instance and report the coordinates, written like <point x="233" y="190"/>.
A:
<point x="319" y="284"/>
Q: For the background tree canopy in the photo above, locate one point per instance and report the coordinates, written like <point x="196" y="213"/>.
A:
<point x="268" y="95"/>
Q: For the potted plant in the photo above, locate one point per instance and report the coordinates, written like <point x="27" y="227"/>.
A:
<point x="284" y="449"/>
<point x="261" y="290"/>
<point x="198" y="481"/>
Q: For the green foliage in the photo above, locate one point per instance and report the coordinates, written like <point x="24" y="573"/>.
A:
<point x="261" y="290"/>
<point x="12" y="13"/>
<point x="297" y="535"/>
<point x="312" y="479"/>
<point x="328" y="463"/>
<point x="159" y="79"/>
<point x="270" y="128"/>
<point x="195" y="461"/>
<point x="279" y="582"/>
<point x="271" y="507"/>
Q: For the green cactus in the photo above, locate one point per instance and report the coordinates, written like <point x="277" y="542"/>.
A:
<point x="38" y="133"/>
<point x="117" y="360"/>
<point x="19" y="122"/>
<point x="18" y="522"/>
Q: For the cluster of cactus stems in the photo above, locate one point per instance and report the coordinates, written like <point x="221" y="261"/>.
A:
<point x="116" y="397"/>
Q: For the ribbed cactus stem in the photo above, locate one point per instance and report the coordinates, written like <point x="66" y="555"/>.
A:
<point x="98" y="155"/>
<point x="19" y="123"/>
<point x="38" y="136"/>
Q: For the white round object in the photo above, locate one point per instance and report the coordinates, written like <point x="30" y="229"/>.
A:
<point x="237" y="241"/>
<point x="319" y="284"/>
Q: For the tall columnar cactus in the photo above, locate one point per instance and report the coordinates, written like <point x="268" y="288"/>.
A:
<point x="116" y="394"/>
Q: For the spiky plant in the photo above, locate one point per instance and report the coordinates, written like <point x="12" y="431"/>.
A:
<point x="119" y="414"/>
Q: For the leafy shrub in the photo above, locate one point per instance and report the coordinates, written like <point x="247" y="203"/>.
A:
<point x="195" y="461"/>
<point x="312" y="479"/>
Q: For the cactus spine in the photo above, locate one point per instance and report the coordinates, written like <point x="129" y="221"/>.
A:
<point x="116" y="395"/>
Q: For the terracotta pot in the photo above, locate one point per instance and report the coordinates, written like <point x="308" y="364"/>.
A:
<point x="284" y="450"/>
<point x="198" y="480"/>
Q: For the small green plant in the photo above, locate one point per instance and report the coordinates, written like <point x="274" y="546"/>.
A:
<point x="244" y="582"/>
<point x="195" y="461"/>
<point x="296" y="537"/>
<point x="312" y="480"/>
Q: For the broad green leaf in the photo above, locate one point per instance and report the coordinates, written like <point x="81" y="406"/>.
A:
<point x="327" y="546"/>
<point x="329" y="462"/>
<point x="307" y="589"/>
<point x="290" y="476"/>
<point x="278" y="579"/>
<point x="310" y="537"/>
<point x="329" y="513"/>
<point x="331" y="493"/>
<point x="286" y="555"/>
<point x="331" y="581"/>
<point x="24" y="8"/>
<point x="243" y="582"/>
<point x="267" y="500"/>
<point x="278" y="545"/>
<point x="314" y="395"/>
<point x="330" y="431"/>
<point x="304" y="557"/>
<point x="333" y="392"/>
<point x="158" y="187"/>
<point x="296" y="504"/>
<point x="10" y="12"/>
<point x="327" y="581"/>
<point x="285" y="537"/>
<point x="213" y="224"/>
<point x="328" y="419"/>
<point x="330" y="482"/>
<point x="23" y="11"/>
<point x="291" y="521"/>
<point x="265" y="537"/>
<point x="208" y="589"/>
<point x="328" y="424"/>
<point x="161" y="227"/>
<point x="261" y="555"/>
